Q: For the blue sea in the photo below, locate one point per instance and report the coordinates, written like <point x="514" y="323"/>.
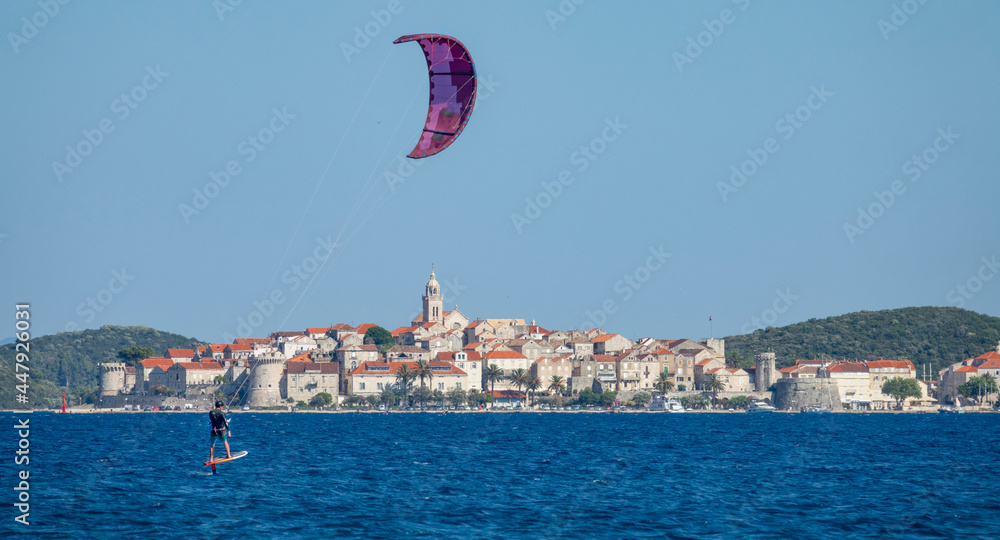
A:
<point x="513" y="475"/>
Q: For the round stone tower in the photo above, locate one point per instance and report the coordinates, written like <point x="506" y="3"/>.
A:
<point x="766" y="372"/>
<point x="265" y="380"/>
<point x="112" y="378"/>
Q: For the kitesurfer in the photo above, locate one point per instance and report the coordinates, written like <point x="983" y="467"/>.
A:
<point x="220" y="430"/>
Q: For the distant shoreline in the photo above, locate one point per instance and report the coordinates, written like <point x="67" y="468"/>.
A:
<point x="924" y="410"/>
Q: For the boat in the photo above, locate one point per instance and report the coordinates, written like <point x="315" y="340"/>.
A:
<point x="957" y="409"/>
<point x="662" y="404"/>
<point x="760" y="407"/>
<point x="816" y="409"/>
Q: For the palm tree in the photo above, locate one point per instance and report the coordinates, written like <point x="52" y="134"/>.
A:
<point x="531" y="384"/>
<point x="403" y="378"/>
<point x="663" y="383"/>
<point x="424" y="370"/>
<point x="557" y="385"/>
<point x="493" y="374"/>
<point x="386" y="397"/>
<point x="714" y="385"/>
<point x="518" y="377"/>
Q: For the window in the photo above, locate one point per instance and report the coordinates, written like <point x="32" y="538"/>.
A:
<point x="380" y="386"/>
<point x="361" y="386"/>
<point x="458" y="386"/>
<point x="440" y="386"/>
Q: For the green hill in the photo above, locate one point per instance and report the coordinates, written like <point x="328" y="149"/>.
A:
<point x="938" y="336"/>
<point x="68" y="361"/>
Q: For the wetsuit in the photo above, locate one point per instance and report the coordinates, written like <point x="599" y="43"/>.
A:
<point x="220" y="427"/>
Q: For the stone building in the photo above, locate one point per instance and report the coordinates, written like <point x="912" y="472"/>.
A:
<point x="115" y="378"/>
<point x="304" y="380"/>
<point x="507" y="361"/>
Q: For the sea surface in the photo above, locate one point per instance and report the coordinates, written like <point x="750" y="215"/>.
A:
<point x="509" y="475"/>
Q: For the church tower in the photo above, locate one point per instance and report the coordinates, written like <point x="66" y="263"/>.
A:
<point x="433" y="301"/>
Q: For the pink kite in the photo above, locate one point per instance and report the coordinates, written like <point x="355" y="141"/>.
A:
<point x="453" y="91"/>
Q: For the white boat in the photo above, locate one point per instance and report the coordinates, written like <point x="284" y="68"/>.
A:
<point x="760" y="407"/>
<point x="662" y="404"/>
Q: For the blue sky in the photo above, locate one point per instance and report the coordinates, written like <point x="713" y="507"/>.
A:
<point x="865" y="131"/>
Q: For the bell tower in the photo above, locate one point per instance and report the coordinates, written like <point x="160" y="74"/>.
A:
<point x="433" y="301"/>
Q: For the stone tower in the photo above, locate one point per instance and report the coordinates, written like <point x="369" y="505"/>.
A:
<point x="433" y="301"/>
<point x="766" y="373"/>
<point x="112" y="378"/>
<point x="265" y="380"/>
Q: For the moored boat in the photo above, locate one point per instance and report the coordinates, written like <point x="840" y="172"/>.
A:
<point x="662" y="404"/>
<point x="760" y="407"/>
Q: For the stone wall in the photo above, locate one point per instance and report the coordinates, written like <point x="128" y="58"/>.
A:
<point x="794" y="394"/>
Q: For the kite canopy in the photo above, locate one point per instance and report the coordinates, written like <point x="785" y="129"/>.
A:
<point x="453" y="91"/>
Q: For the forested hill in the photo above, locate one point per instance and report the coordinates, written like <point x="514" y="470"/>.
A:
<point x="71" y="358"/>
<point x="939" y="336"/>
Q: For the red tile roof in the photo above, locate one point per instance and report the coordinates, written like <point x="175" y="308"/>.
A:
<point x="603" y="357"/>
<point x="992" y="363"/>
<point x="847" y="367"/>
<point x="252" y="340"/>
<point x="603" y="337"/>
<point x="502" y="354"/>
<point x="365" y="347"/>
<point x="992" y="355"/>
<point x="966" y="369"/>
<point x="160" y="362"/>
<point x="180" y="353"/>
<point x="512" y="394"/>
<point x="317" y="330"/>
<point x="239" y="347"/>
<point x="898" y="364"/>
<point x="362" y="329"/>
<point x="343" y="326"/>
<point x="372" y="368"/>
<point x="317" y="367"/>
<point x="199" y="365"/>
<point x="403" y="330"/>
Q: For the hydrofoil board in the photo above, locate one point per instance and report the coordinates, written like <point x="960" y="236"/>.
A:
<point x="236" y="455"/>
